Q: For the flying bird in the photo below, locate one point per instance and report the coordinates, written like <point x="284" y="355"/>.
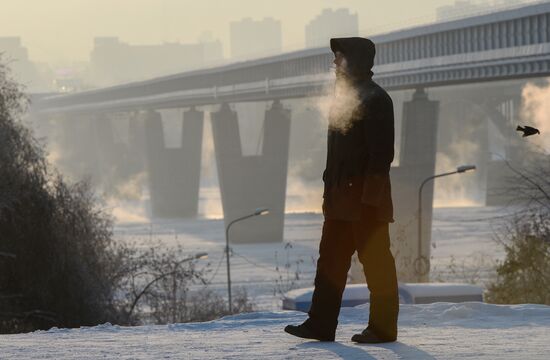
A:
<point x="528" y="130"/>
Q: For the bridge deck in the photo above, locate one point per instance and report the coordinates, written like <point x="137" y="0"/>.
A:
<point x="503" y="45"/>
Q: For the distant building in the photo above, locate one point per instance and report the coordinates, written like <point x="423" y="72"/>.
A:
<point x="463" y="8"/>
<point x="16" y="57"/>
<point x="115" y="62"/>
<point x="251" y="38"/>
<point x="330" y="23"/>
<point x="212" y="48"/>
<point x="12" y="48"/>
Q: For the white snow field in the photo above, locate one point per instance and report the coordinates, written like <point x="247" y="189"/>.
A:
<point x="434" y="331"/>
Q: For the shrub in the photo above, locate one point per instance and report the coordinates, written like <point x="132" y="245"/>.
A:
<point x="524" y="275"/>
<point x="61" y="243"/>
<point x="155" y="284"/>
<point x="157" y="289"/>
<point x="206" y="304"/>
<point x="59" y="263"/>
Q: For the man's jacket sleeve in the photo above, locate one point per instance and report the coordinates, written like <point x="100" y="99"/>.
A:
<point x="379" y="136"/>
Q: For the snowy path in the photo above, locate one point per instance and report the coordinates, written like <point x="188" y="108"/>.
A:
<point x="435" y="331"/>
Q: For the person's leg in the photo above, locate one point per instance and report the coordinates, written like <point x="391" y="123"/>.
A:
<point x="373" y="247"/>
<point x="335" y="251"/>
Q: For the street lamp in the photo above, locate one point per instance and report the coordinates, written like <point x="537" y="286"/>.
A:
<point x="201" y="255"/>
<point x="421" y="264"/>
<point x="258" y="211"/>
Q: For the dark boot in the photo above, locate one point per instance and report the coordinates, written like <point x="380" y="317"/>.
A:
<point x="379" y="266"/>
<point x="367" y="336"/>
<point x="335" y="251"/>
<point x="383" y="316"/>
<point x="307" y="331"/>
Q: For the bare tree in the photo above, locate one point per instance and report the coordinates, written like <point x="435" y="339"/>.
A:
<point x="524" y="275"/>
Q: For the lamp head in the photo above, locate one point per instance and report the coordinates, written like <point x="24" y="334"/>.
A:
<point x="261" y="211"/>
<point x="465" y="168"/>
<point x="201" y="255"/>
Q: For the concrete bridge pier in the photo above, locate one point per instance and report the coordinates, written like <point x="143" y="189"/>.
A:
<point x="416" y="163"/>
<point x="72" y="145"/>
<point x="108" y="156"/>
<point x="136" y="149"/>
<point x="65" y="134"/>
<point x="174" y="173"/>
<point x="249" y="182"/>
<point x="111" y="154"/>
<point x="88" y="150"/>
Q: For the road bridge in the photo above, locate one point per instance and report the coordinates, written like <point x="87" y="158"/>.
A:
<point x="505" y="45"/>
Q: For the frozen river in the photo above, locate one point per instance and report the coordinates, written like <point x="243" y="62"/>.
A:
<point x="463" y="249"/>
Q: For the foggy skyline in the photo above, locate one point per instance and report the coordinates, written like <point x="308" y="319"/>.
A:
<point x="62" y="31"/>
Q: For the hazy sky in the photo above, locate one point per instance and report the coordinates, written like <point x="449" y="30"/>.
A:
<point x="63" y="30"/>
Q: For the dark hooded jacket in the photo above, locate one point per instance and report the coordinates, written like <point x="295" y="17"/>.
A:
<point x="359" y="160"/>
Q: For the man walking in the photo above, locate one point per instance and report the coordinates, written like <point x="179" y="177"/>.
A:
<point x="357" y="203"/>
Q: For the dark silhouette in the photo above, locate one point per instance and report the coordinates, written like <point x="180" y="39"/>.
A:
<point x="357" y="203"/>
<point x="528" y="130"/>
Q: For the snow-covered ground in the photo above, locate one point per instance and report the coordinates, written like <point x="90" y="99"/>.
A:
<point x="434" y="331"/>
<point x="464" y="234"/>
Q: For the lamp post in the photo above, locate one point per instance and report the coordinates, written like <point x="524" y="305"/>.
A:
<point x="258" y="211"/>
<point x="422" y="264"/>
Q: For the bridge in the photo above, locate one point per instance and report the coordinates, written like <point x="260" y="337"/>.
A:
<point x="506" y="45"/>
<point x="492" y="47"/>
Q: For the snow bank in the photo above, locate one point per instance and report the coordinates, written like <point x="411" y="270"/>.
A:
<point x="440" y="330"/>
<point x="417" y="293"/>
